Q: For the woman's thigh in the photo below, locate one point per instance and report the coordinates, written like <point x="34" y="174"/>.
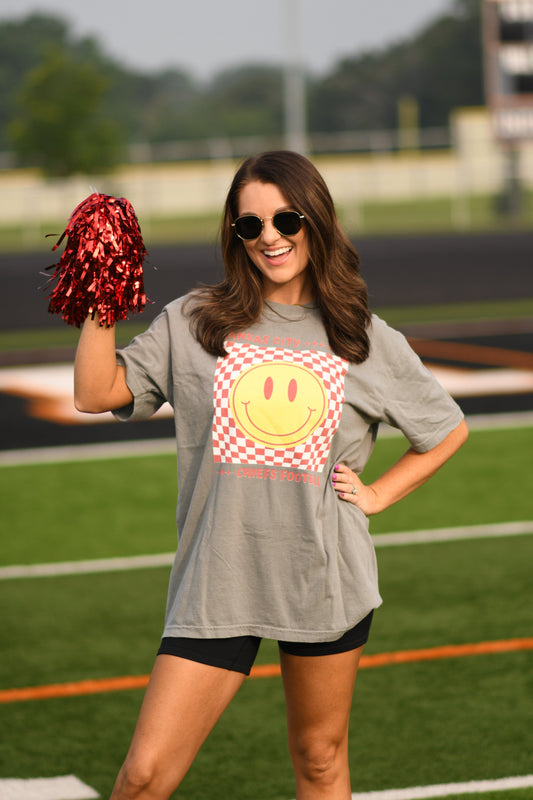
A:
<point x="318" y="693"/>
<point x="183" y="702"/>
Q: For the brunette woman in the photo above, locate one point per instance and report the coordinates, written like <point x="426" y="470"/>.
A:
<point x="279" y="377"/>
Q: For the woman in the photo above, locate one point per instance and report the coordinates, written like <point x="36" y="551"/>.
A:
<point x="279" y="377"/>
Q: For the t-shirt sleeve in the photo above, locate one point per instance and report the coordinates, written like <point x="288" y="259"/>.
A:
<point x="148" y="371"/>
<point x="413" y="399"/>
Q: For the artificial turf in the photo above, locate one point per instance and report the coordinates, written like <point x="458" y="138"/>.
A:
<point x="423" y="723"/>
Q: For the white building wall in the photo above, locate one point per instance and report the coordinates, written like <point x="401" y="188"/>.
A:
<point x="475" y="165"/>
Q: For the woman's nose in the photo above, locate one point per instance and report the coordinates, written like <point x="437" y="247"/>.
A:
<point x="269" y="232"/>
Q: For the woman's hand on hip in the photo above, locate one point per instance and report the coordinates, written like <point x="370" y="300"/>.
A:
<point x="351" y="489"/>
<point x="412" y="470"/>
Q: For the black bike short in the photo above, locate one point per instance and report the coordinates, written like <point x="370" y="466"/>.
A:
<point x="238" y="653"/>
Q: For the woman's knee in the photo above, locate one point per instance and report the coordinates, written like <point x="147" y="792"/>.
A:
<point x="320" y="761"/>
<point x="136" y="779"/>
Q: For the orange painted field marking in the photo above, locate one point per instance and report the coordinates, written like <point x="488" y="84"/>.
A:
<point x="472" y="353"/>
<point x="101" y="685"/>
<point x="74" y="689"/>
<point x="445" y="651"/>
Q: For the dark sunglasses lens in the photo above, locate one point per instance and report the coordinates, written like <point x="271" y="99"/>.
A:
<point x="287" y="222"/>
<point x="248" y="227"/>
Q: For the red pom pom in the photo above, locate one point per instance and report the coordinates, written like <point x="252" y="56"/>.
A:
<point x="100" y="271"/>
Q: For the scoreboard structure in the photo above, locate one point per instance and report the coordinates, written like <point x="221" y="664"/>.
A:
<point x="508" y="54"/>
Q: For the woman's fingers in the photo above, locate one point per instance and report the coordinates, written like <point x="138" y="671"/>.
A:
<point x="346" y="483"/>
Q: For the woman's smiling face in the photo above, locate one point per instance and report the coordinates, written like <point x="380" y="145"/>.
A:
<point x="282" y="260"/>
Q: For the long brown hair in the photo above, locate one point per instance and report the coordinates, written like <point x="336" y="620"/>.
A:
<point x="340" y="291"/>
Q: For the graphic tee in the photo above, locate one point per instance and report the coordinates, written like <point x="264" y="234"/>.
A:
<point x="265" y="546"/>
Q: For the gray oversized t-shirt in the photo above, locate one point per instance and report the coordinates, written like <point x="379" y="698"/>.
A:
<point x="265" y="546"/>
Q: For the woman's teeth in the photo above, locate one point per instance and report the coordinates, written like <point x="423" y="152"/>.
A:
<point x="280" y="252"/>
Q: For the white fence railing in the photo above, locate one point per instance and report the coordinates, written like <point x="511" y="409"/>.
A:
<point x="473" y="164"/>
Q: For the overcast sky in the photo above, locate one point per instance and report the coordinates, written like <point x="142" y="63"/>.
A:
<point x="204" y="36"/>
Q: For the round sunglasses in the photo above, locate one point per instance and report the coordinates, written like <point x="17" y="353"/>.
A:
<point x="249" y="226"/>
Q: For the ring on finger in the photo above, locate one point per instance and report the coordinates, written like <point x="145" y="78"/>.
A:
<point x="354" y="490"/>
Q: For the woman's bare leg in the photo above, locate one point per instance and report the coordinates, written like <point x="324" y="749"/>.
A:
<point x="318" y="692"/>
<point x="183" y="701"/>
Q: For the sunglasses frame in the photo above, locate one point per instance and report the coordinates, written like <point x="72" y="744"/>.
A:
<point x="262" y="221"/>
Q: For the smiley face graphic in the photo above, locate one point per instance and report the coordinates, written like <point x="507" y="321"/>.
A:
<point x="278" y="404"/>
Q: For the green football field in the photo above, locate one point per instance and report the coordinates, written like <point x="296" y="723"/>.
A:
<point x="446" y="720"/>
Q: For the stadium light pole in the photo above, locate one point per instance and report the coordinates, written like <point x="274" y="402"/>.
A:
<point x="294" y="79"/>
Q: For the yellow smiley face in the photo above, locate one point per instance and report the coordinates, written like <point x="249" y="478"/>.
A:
<point x="278" y="404"/>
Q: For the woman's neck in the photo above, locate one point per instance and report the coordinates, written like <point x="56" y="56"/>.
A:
<point x="287" y="295"/>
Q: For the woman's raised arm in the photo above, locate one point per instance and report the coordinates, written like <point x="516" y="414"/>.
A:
<point x="99" y="382"/>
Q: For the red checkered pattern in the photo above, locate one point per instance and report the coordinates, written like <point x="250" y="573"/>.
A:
<point x="230" y="446"/>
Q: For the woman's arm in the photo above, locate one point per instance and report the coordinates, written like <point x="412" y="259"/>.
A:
<point x="99" y="383"/>
<point x="411" y="471"/>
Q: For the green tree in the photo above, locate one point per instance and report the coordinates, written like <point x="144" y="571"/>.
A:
<point x="441" y="66"/>
<point x="68" y="105"/>
<point x="59" y="123"/>
<point x="154" y="107"/>
<point x="244" y="101"/>
<point x="21" y="49"/>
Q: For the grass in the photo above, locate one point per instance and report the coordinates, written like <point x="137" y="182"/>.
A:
<point x="412" y="724"/>
<point x="65" y="336"/>
<point x="193" y="229"/>
<point x="422" y="215"/>
<point x="432" y="215"/>
<point x="134" y="498"/>
<point x="429" y="731"/>
<point x="456" y="312"/>
<point x="476" y="487"/>
<point x="61" y="336"/>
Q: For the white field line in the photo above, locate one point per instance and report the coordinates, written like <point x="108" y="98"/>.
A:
<point x="87" y="452"/>
<point x="127" y="563"/>
<point x="154" y="447"/>
<point x="95" y="565"/>
<point x="453" y="534"/>
<point x="71" y="788"/>
<point x="66" y="787"/>
<point x="449" y="789"/>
